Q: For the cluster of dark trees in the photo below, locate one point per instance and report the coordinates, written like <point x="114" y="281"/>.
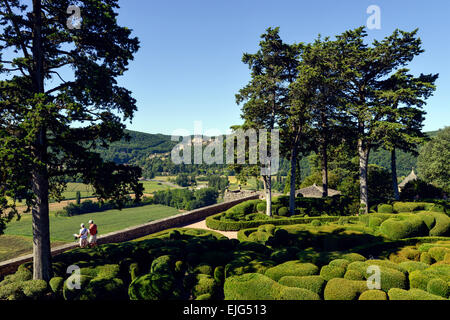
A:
<point x="186" y="199"/>
<point x="331" y="96"/>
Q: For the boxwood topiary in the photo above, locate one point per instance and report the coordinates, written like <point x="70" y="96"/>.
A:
<point x="373" y="295"/>
<point x="153" y="286"/>
<point x="283" y="211"/>
<point x="412" y="294"/>
<point x="312" y="283"/>
<point x="56" y="284"/>
<point x="344" y="289"/>
<point x="329" y="272"/>
<point x="438" y="287"/>
<point x="385" y="208"/>
<point x="291" y="268"/>
<point x="353" y="275"/>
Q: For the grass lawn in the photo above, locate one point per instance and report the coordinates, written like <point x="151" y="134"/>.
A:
<point x="15" y="246"/>
<point x="63" y="228"/>
<point x="153" y="186"/>
<point x="234" y="184"/>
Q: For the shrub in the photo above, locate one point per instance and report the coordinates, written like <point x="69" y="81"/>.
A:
<point x="153" y="286"/>
<point x="411" y="266"/>
<point x="315" y="284"/>
<point x="283" y="211"/>
<point x="11" y="291"/>
<point x="353" y="275"/>
<point x="438" y="253"/>
<point x="261" y="207"/>
<point x="162" y="264"/>
<point x="205" y="296"/>
<point x="373" y="295"/>
<point x="426" y="258"/>
<point x="250" y="286"/>
<point x="344" y="289"/>
<point x="254" y="286"/>
<point x="290" y="293"/>
<point x="56" y="284"/>
<point x="70" y="292"/>
<point x="385" y="208"/>
<point x="412" y="294"/>
<point x="291" y="268"/>
<point x="352" y="257"/>
<point x="403" y="227"/>
<point x="438" y="287"/>
<point x="419" y="279"/>
<point x="219" y="274"/>
<point x="343" y="263"/>
<point x="329" y="272"/>
<point x="374" y="222"/>
<point x="205" y="285"/>
<point x="203" y="269"/>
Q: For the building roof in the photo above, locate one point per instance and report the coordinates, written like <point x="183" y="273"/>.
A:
<point x="412" y="176"/>
<point x="315" y="191"/>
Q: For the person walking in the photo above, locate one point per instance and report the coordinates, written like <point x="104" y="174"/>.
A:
<point x="82" y="235"/>
<point x="92" y="233"/>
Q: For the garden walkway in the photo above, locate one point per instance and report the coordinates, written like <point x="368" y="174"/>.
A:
<point x="202" y="225"/>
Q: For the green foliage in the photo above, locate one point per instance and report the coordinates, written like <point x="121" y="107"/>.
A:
<point x="292" y="268"/>
<point x="433" y="162"/>
<point x="315" y="284"/>
<point x="373" y="295"/>
<point x="56" y="284"/>
<point x="344" y="289"/>
<point x="329" y="272"/>
<point x="254" y="286"/>
<point x="153" y="286"/>
<point x="412" y="294"/>
<point x="403" y="226"/>
<point x="385" y="208"/>
<point x="186" y="199"/>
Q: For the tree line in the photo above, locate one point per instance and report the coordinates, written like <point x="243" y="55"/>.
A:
<point x="334" y="94"/>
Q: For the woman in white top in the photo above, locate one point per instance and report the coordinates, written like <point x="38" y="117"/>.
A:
<point x="83" y="236"/>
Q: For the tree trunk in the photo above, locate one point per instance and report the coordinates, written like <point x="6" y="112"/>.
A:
<point x="363" y="152"/>
<point x="42" y="266"/>
<point x="293" y="180"/>
<point x="325" y="169"/>
<point x="394" y="174"/>
<point x="268" y="194"/>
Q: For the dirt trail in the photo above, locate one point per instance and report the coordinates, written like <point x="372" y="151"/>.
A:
<point x="202" y="225"/>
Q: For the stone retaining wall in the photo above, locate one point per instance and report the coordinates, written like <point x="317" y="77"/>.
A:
<point x="179" y="220"/>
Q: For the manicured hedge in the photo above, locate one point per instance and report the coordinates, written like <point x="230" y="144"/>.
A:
<point x="215" y="223"/>
<point x="312" y="283"/>
<point x="254" y="286"/>
<point x="344" y="289"/>
<point x="292" y="268"/>
<point x="412" y="294"/>
<point x="373" y="295"/>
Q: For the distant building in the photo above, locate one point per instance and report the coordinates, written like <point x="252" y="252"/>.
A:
<point x="315" y="191"/>
<point x="412" y="176"/>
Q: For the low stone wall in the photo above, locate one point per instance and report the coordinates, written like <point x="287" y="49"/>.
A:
<point x="179" y="220"/>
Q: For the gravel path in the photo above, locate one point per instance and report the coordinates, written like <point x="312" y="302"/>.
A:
<point x="202" y="225"/>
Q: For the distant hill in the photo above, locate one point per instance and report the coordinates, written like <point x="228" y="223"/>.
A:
<point x="147" y="146"/>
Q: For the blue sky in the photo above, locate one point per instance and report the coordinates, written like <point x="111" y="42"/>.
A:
<point x="189" y="66"/>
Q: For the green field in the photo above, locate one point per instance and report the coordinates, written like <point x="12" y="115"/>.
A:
<point x="15" y="246"/>
<point x="63" y="228"/>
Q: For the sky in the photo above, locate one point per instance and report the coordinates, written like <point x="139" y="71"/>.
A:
<point x="189" y="66"/>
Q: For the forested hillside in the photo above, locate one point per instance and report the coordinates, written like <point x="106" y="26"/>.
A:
<point x="152" y="153"/>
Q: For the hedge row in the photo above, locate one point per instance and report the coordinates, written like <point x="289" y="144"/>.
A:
<point x="215" y="223"/>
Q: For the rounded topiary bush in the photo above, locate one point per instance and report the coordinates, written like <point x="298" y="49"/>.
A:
<point x="203" y="269"/>
<point x="375" y="222"/>
<point x="438" y="287"/>
<point x="249" y="286"/>
<point x="411" y="266"/>
<point x="373" y="295"/>
<point x="412" y="294"/>
<point x="312" y="283"/>
<point x="405" y="226"/>
<point x="152" y="286"/>
<point x="426" y="258"/>
<point x="343" y="263"/>
<point x="205" y="285"/>
<point x="352" y="257"/>
<point x="291" y="293"/>
<point x="344" y="289"/>
<point x="353" y="275"/>
<point x="56" y="284"/>
<point x="438" y="253"/>
<point x="291" y="268"/>
<point x="329" y="272"/>
<point x="261" y="207"/>
<point x="283" y="211"/>
<point x="385" y="208"/>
